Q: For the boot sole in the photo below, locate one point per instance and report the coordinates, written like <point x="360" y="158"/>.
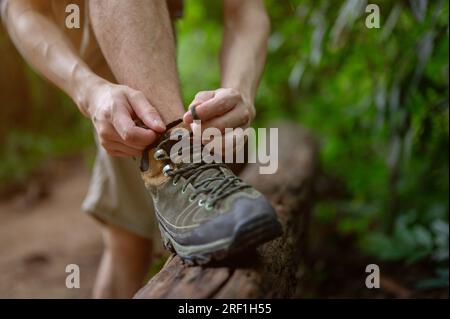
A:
<point x="249" y="235"/>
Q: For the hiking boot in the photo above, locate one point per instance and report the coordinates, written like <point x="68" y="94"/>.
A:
<point x="204" y="211"/>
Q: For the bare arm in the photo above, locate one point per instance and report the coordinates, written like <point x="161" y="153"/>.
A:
<point x="46" y="48"/>
<point x="243" y="54"/>
<point x="111" y="107"/>
<point x="244" y="45"/>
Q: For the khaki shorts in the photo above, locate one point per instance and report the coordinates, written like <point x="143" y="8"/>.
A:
<point x="117" y="195"/>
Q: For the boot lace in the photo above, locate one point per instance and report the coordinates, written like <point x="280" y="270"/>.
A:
<point x="215" y="187"/>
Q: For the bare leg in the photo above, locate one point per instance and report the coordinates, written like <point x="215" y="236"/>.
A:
<point x="137" y="40"/>
<point x="124" y="265"/>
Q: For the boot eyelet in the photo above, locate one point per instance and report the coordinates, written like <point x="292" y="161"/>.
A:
<point x="160" y="154"/>
<point x="192" y="198"/>
<point x="208" y="206"/>
<point x="167" y="169"/>
<point x="201" y="202"/>
<point x="174" y="183"/>
<point x="183" y="190"/>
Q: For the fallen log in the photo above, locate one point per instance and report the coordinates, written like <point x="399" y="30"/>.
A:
<point x="275" y="269"/>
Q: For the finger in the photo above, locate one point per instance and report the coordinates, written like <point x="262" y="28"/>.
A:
<point x="107" y="132"/>
<point x="200" y="98"/>
<point x="235" y="140"/>
<point x="125" y="149"/>
<point x="217" y="106"/>
<point x="237" y="117"/>
<point x="145" y="111"/>
<point x="131" y="134"/>
<point x="109" y="138"/>
<point x="117" y="154"/>
<point x="111" y="141"/>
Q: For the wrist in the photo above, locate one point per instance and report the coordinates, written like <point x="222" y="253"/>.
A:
<point x="244" y="91"/>
<point x="84" y="83"/>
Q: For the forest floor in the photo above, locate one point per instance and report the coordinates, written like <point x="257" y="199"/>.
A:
<point x="42" y="230"/>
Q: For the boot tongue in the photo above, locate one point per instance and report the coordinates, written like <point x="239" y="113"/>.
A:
<point x="191" y="152"/>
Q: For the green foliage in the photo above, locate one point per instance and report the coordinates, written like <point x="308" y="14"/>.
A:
<point x="377" y="99"/>
<point x="38" y="121"/>
<point x="24" y="151"/>
<point x="410" y="240"/>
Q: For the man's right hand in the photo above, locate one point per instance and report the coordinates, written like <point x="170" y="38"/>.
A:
<point x="112" y="108"/>
<point x="114" y="111"/>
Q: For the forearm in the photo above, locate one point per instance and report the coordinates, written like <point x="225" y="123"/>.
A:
<point x="46" y="48"/>
<point x="244" y="46"/>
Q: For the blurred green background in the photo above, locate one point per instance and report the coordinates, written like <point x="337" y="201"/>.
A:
<point x="377" y="99"/>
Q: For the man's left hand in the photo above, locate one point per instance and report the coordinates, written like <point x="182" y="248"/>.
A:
<point x="222" y="108"/>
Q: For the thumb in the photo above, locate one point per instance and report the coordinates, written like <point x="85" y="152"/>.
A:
<point x="146" y="112"/>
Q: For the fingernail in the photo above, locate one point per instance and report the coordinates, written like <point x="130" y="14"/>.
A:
<point x="160" y="124"/>
<point x="188" y="117"/>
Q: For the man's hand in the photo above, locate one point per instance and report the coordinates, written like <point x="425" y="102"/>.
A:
<point x="222" y="108"/>
<point x="114" y="111"/>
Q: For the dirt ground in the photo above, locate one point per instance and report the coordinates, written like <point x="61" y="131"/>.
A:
<point x="41" y="235"/>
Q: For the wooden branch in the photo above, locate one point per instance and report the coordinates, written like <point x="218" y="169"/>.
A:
<point x="275" y="269"/>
